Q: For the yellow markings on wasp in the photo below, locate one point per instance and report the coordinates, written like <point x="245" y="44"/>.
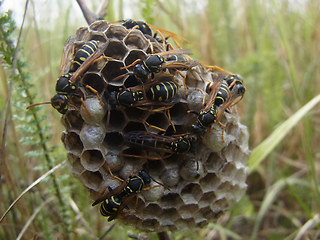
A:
<point x="165" y="87"/>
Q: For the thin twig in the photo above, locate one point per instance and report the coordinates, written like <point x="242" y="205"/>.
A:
<point x="107" y="231"/>
<point x="88" y="15"/>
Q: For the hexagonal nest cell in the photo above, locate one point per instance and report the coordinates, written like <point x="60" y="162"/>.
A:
<point x="107" y="141"/>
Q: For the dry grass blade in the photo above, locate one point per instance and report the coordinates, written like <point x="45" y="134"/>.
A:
<point x="14" y="67"/>
<point x="35" y="213"/>
<point x="264" y="148"/>
<point x="315" y="221"/>
<point x="81" y="218"/>
<point x="31" y="186"/>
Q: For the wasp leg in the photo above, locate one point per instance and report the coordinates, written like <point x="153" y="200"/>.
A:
<point x="119" y="77"/>
<point x="135" y="204"/>
<point x="216" y="69"/>
<point x="85" y="107"/>
<point x="148" y="188"/>
<point x="223" y="130"/>
<point x="102" y="57"/>
<point x="72" y="105"/>
<point x="163" y="39"/>
<point x="169" y="46"/>
<point x="114" y="176"/>
<point x="155" y="127"/>
<point x="170" y="121"/>
<point x="184" y="82"/>
<point x="96" y="92"/>
<point x="132" y="64"/>
<point x="231" y="85"/>
<point x="193" y="112"/>
<point x="173" y="78"/>
<point x="204" y="96"/>
<point x="151" y="46"/>
<point x="176" y="43"/>
<point x="157" y="109"/>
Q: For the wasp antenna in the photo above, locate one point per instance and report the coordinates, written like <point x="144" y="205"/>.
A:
<point x="193" y="112"/>
<point x="37" y="104"/>
<point x="163" y="185"/>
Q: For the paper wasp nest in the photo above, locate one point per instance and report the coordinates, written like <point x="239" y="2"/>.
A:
<point x="200" y="184"/>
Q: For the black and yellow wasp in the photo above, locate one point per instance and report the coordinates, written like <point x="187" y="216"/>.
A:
<point x="144" y="71"/>
<point x="155" y="94"/>
<point x="174" y="59"/>
<point x="67" y="84"/>
<point x="125" y="98"/>
<point x="170" y="144"/>
<point x="117" y="199"/>
<point x="145" y="28"/>
<point x="223" y="94"/>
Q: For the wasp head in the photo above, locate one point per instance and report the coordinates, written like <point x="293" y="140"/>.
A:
<point x="140" y="72"/>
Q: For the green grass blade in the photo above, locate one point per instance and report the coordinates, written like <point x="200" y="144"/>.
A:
<point x="225" y="231"/>
<point x="269" y="198"/>
<point x="264" y="148"/>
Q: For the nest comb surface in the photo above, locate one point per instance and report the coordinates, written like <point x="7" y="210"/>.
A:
<point x="202" y="183"/>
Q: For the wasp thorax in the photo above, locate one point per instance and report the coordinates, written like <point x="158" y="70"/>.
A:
<point x="130" y="128"/>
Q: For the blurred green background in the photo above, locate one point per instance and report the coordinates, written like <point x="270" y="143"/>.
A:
<point x="273" y="45"/>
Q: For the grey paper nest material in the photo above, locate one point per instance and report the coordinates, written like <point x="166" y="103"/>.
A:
<point x="201" y="184"/>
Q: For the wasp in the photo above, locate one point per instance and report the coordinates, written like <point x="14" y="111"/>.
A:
<point x="147" y="94"/>
<point x="145" y="28"/>
<point x="222" y="94"/>
<point x="220" y="99"/>
<point x="67" y="84"/>
<point x="82" y="54"/>
<point x="169" y="144"/>
<point x="117" y="199"/>
<point x="64" y="86"/>
<point x="177" y="57"/>
<point x="125" y="97"/>
<point x="162" y="91"/>
<point x="155" y="63"/>
<point x="142" y="26"/>
<point x="234" y="79"/>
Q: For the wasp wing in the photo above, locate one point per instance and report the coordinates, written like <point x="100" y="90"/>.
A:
<point x="67" y="54"/>
<point x="175" y="37"/>
<point x="179" y="51"/>
<point x="150" y="140"/>
<point x="214" y="88"/>
<point x="112" y="192"/>
<point x="231" y="101"/>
